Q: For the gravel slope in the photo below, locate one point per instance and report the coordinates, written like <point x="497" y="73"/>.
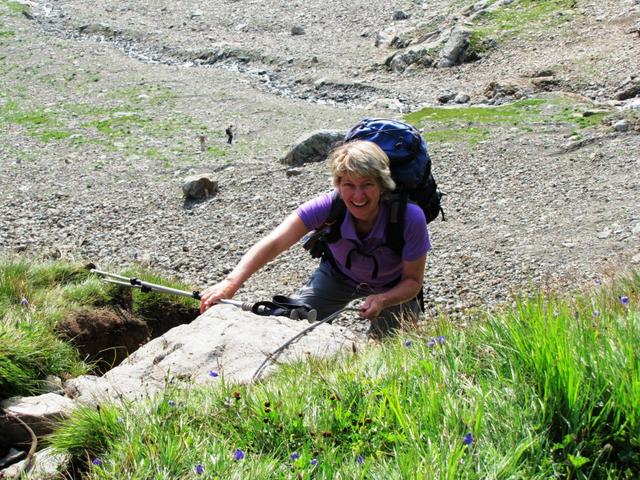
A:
<point x="523" y="209"/>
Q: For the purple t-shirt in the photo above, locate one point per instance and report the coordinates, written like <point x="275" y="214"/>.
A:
<point x="363" y="252"/>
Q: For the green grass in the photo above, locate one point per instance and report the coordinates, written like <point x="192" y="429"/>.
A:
<point x="522" y="17"/>
<point x="476" y="123"/>
<point x="123" y="119"/>
<point x="546" y="389"/>
<point x="10" y="8"/>
<point x="36" y="296"/>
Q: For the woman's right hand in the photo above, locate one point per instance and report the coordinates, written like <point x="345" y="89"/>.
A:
<point x="215" y="293"/>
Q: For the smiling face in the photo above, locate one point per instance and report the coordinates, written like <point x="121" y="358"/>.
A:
<point x="361" y="195"/>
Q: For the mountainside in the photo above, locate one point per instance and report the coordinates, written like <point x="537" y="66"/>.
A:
<point x="103" y="104"/>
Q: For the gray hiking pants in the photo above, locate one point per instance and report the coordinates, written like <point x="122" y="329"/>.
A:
<point x="328" y="292"/>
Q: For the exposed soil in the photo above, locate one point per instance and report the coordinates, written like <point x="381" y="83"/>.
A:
<point x="106" y="336"/>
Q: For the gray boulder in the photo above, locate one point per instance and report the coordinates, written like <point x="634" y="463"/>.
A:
<point x="419" y="55"/>
<point x="215" y="344"/>
<point x="41" y="413"/>
<point x="46" y="464"/>
<point x="453" y="52"/>
<point x="630" y="88"/>
<point x="313" y="148"/>
<point x="198" y="187"/>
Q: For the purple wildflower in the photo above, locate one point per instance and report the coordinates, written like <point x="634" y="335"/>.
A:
<point x="238" y="454"/>
<point x="24" y="302"/>
<point x="407" y="343"/>
<point x="441" y="339"/>
<point x="431" y="343"/>
<point x="360" y="459"/>
<point x="295" y="456"/>
<point x="314" y="461"/>
<point x="213" y="373"/>
<point x="97" y="461"/>
<point x="199" y="469"/>
<point x="468" y="439"/>
<point x="624" y="300"/>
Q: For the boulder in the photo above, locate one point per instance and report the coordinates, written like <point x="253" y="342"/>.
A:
<point x="198" y="187"/>
<point x="454" y="50"/>
<point x="313" y="148"/>
<point x="420" y="55"/>
<point x="388" y="103"/>
<point x="47" y="464"/>
<point x="40" y="412"/>
<point x="387" y="37"/>
<point x="630" y="88"/>
<point x="216" y="344"/>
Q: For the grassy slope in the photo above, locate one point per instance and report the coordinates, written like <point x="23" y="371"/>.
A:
<point x="546" y="388"/>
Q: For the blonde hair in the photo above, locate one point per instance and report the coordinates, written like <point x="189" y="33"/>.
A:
<point x="361" y="158"/>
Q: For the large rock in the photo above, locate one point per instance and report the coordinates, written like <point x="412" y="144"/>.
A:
<point x="41" y="413"/>
<point x="225" y="340"/>
<point x="314" y="147"/>
<point x="454" y="51"/>
<point x="421" y="55"/>
<point x="198" y="187"/>
<point x="46" y="464"/>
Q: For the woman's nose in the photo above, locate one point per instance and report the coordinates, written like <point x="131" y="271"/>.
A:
<point x="359" y="192"/>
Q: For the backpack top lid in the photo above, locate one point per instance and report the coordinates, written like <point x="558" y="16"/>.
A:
<point x="403" y="144"/>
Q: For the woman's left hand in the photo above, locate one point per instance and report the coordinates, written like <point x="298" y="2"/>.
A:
<point x="371" y="307"/>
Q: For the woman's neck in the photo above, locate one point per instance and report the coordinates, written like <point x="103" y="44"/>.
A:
<point x="363" y="227"/>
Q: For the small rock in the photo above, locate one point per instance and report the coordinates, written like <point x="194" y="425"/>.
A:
<point x="622" y="126"/>
<point x="294" y="172"/>
<point x="400" y="15"/>
<point x="445" y="97"/>
<point x="320" y="82"/>
<point x="606" y="233"/>
<point x="462" y="98"/>
<point x="297" y="30"/>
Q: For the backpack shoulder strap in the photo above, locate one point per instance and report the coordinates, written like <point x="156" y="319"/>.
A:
<point x="395" y="221"/>
<point x="335" y="218"/>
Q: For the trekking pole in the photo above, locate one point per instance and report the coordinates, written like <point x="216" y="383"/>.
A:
<point x="134" y="282"/>
<point x="273" y="355"/>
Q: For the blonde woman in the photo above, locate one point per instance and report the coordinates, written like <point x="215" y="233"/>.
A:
<point x="358" y="264"/>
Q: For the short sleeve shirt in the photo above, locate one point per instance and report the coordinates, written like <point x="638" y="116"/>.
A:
<point x="369" y="260"/>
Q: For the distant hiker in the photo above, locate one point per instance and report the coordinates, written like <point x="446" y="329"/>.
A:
<point x="229" y="132"/>
<point x="358" y="264"/>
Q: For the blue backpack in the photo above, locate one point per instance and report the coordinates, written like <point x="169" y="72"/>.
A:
<point x="409" y="162"/>
<point x="410" y="166"/>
